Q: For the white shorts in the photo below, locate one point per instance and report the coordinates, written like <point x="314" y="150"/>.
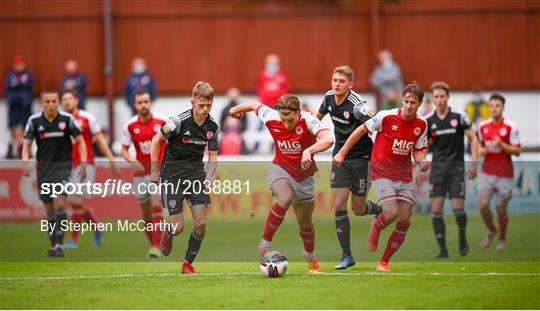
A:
<point x="90" y="177"/>
<point x="387" y="190"/>
<point x="302" y="190"/>
<point x="141" y="194"/>
<point x="489" y="184"/>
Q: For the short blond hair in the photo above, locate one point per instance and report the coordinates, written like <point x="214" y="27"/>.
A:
<point x="203" y="90"/>
<point x="345" y="70"/>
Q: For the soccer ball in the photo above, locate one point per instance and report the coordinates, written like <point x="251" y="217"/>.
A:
<point x="273" y="264"/>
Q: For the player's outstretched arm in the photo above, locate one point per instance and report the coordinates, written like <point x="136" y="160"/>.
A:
<point x="81" y="147"/>
<point x="27" y="143"/>
<point x="157" y="141"/>
<point x="238" y="111"/>
<point x="106" y="151"/>
<point x="355" y="136"/>
<point x="475" y="146"/>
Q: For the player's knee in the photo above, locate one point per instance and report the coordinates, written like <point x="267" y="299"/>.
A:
<point x="503" y="202"/>
<point x="501" y="208"/>
<point x="59" y="202"/>
<point x="177" y="229"/>
<point x="285" y="200"/>
<point x="339" y="206"/>
<point x="391" y="215"/>
<point x="200" y="226"/>
<point x="358" y="208"/>
<point x="76" y="200"/>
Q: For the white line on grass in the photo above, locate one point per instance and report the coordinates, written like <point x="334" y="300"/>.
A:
<point x="135" y="275"/>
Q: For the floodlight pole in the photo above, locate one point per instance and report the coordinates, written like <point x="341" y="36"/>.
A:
<point x="375" y="35"/>
<point x="108" y="70"/>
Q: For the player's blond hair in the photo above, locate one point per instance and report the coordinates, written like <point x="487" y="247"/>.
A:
<point x="345" y="70"/>
<point x="288" y="101"/>
<point x="203" y="90"/>
<point x="440" y="85"/>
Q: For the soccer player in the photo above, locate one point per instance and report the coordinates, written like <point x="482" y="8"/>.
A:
<point x="499" y="139"/>
<point x="90" y="130"/>
<point x="348" y="111"/>
<point x="400" y="133"/>
<point x="53" y="130"/>
<point x="446" y="131"/>
<point x="139" y="131"/>
<point x="187" y="135"/>
<point x="290" y="176"/>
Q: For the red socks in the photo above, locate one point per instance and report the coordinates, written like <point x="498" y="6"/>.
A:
<point x="76" y="217"/>
<point x="274" y="220"/>
<point x="503" y="223"/>
<point x="396" y="239"/>
<point x="488" y="220"/>
<point x="381" y="222"/>
<point x="308" y="237"/>
<point x="156" y="219"/>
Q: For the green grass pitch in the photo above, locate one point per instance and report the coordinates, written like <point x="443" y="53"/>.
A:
<point x="118" y="276"/>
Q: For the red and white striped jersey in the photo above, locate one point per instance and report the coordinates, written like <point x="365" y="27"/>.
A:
<point x="396" y="140"/>
<point x="497" y="162"/>
<point x="89" y="127"/>
<point x="141" y="134"/>
<point x="290" y="145"/>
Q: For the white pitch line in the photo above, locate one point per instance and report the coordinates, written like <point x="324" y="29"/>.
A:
<point x="135" y="275"/>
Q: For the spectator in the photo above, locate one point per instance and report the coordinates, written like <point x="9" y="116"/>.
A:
<point x="232" y="95"/>
<point x="391" y="101"/>
<point x="306" y="108"/>
<point x="19" y="84"/>
<point x="74" y="80"/>
<point x="272" y="82"/>
<point x="140" y="79"/>
<point x="386" y="76"/>
<point x="427" y="106"/>
<point x="232" y="142"/>
<point x="477" y="108"/>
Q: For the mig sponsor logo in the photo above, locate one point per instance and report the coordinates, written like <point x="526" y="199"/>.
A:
<point x="402" y="146"/>
<point x="289" y="147"/>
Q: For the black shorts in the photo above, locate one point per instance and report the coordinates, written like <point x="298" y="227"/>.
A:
<point x="353" y="174"/>
<point x="450" y="183"/>
<point x="48" y="176"/>
<point x="191" y="189"/>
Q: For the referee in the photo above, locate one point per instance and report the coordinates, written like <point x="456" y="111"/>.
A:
<point x="53" y="129"/>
